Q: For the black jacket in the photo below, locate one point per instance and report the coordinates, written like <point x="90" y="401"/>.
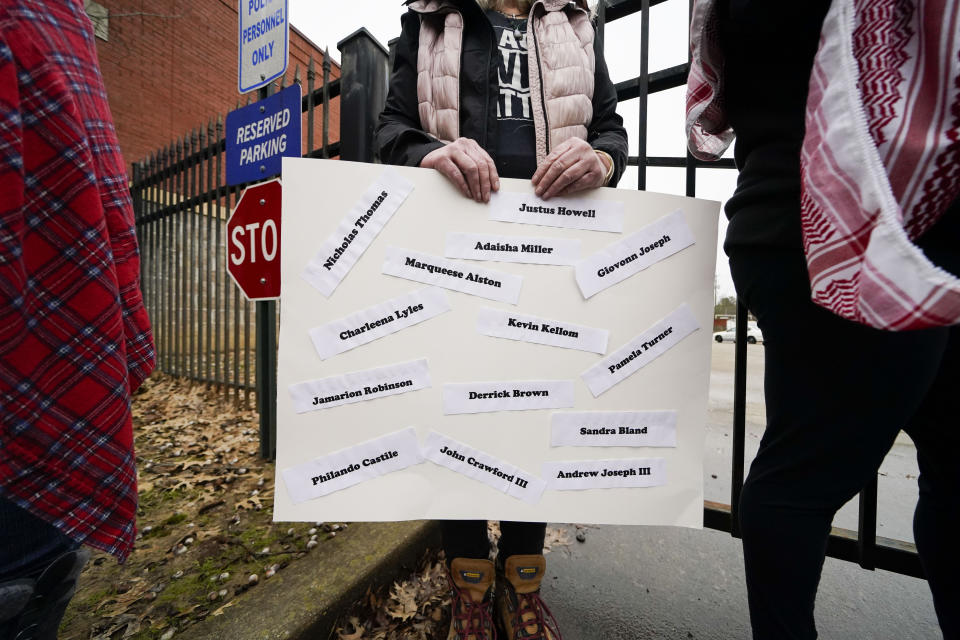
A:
<point x="399" y="137"/>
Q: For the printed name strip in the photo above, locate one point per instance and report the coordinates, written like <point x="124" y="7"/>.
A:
<point x="525" y="249"/>
<point x="517" y="395"/>
<point x="605" y="474"/>
<point x="353" y="465"/>
<point x="377" y="321"/>
<point x="483" y="467"/>
<point x="569" y="213"/>
<point x="356" y="231"/>
<point x="359" y="386"/>
<point x="620" y="260"/>
<point x="555" y="333"/>
<point x="640" y="351"/>
<point x="613" y="429"/>
<point x="440" y="272"/>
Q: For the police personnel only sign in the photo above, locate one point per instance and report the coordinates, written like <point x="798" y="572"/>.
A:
<point x="263" y="40"/>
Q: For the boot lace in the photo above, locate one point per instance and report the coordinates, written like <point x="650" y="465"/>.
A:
<point x="472" y="620"/>
<point x="539" y="615"/>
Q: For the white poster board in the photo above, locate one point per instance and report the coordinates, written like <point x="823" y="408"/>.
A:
<point x="646" y="338"/>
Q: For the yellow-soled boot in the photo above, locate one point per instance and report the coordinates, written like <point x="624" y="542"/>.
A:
<point x="520" y="611"/>
<point x="471" y="611"/>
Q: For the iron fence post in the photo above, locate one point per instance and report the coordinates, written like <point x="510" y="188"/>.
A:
<point x="363" y="92"/>
<point x="739" y="417"/>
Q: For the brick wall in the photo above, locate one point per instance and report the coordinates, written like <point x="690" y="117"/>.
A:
<point x="171" y="66"/>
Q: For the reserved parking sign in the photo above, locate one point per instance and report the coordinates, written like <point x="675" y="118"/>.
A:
<point x="260" y="134"/>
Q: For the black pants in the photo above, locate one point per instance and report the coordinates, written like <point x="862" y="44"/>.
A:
<point x="837" y="394"/>
<point x="468" y="539"/>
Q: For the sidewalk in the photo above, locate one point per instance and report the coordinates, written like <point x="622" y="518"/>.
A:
<point x="639" y="583"/>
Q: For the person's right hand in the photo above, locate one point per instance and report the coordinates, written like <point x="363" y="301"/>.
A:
<point x="467" y="165"/>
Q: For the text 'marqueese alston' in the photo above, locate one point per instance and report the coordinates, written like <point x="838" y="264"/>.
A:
<point x="450" y="274"/>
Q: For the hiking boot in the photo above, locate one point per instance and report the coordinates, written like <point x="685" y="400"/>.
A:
<point x="521" y="613"/>
<point x="471" y="611"/>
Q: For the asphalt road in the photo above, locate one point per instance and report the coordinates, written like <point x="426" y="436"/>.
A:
<point x="666" y="583"/>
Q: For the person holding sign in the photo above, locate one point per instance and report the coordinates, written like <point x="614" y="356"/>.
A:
<point x="516" y="108"/>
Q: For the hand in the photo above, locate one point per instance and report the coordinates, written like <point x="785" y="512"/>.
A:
<point x="467" y="165"/>
<point x="571" y="167"/>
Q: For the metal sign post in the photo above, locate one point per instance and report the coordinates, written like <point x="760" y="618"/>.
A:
<point x="253" y="261"/>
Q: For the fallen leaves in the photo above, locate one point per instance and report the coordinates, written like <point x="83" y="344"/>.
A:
<point x="205" y="509"/>
<point x="412" y="609"/>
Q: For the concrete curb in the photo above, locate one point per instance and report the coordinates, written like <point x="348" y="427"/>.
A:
<point x="302" y="602"/>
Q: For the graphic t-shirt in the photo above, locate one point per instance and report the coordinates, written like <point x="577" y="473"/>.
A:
<point x="516" y="140"/>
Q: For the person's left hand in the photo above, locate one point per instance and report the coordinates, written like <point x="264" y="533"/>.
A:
<point x="571" y="167"/>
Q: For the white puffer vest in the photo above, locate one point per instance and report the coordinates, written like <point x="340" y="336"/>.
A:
<point x="561" y="67"/>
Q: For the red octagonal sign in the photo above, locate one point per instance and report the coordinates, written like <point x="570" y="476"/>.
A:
<point x="253" y="242"/>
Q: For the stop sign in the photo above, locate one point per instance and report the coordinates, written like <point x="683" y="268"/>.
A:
<point x="253" y="242"/>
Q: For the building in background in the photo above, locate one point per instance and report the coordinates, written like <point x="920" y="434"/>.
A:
<point x="170" y="66"/>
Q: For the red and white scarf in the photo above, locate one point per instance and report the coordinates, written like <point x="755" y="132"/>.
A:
<point x="880" y="162"/>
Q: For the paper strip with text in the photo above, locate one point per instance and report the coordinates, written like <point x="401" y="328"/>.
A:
<point x="525" y="249"/>
<point x="483" y="467"/>
<point x="516" y="395"/>
<point x="353" y="465"/>
<point x="379" y="320"/>
<point x="440" y="272"/>
<point x="569" y="213"/>
<point x="614" y="429"/>
<point x="556" y="333"/>
<point x="605" y="474"/>
<point x="356" y="231"/>
<point x="359" y="386"/>
<point x="640" y="351"/>
<point x="620" y="260"/>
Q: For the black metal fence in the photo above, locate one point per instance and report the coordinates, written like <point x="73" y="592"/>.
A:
<point x="204" y="328"/>
<point x="202" y="324"/>
<point x="863" y="545"/>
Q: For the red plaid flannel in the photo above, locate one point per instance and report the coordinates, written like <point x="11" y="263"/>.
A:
<point x="74" y="336"/>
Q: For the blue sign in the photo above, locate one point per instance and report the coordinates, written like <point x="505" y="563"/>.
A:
<point x="263" y="40"/>
<point x="259" y="134"/>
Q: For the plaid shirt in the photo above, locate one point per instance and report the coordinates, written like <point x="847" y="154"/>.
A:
<point x="74" y="336"/>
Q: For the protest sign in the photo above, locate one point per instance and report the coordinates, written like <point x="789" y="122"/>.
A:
<point x="442" y="358"/>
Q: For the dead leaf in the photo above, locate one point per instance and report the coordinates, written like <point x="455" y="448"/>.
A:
<point x="403" y="601"/>
<point x="357" y="630"/>
<point x="219" y="612"/>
